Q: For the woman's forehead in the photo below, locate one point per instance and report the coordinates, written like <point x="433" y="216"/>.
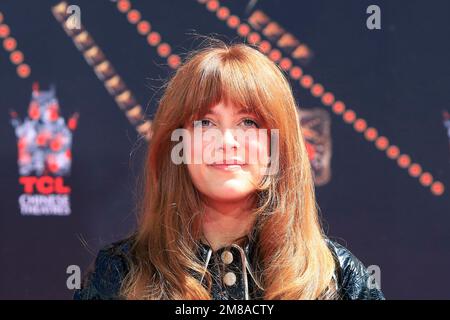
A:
<point x="222" y="108"/>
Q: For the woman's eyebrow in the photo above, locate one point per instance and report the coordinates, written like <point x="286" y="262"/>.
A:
<point x="239" y="112"/>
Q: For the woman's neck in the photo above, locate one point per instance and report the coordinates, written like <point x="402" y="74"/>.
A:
<point x="225" y="222"/>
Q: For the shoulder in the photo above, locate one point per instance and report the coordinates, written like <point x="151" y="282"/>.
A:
<point x="103" y="282"/>
<point x="353" y="279"/>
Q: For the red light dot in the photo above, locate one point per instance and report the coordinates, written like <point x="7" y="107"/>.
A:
<point x="4" y="31"/>
<point x="223" y="13"/>
<point x="174" y="61"/>
<point x="415" y="170"/>
<point x="233" y="21"/>
<point x="55" y="145"/>
<point x="328" y="99"/>
<point x="254" y="38"/>
<point x="72" y="123"/>
<point x="393" y="152"/>
<point x="382" y="143"/>
<point x="123" y="5"/>
<point x="53" y="167"/>
<point x="286" y="63"/>
<point x="68" y="154"/>
<point x="1" y="17"/>
<point x="23" y="70"/>
<point x="164" y="50"/>
<point x="275" y="55"/>
<point x="317" y="90"/>
<point x="371" y="134"/>
<point x="349" y="116"/>
<point x="16" y="57"/>
<point x="144" y="27"/>
<point x="360" y="125"/>
<point x="306" y="81"/>
<point x="404" y="161"/>
<point x="21" y="144"/>
<point x="243" y="30"/>
<point x="134" y="16"/>
<point x="437" y="188"/>
<point x="212" y="5"/>
<point x="296" y="72"/>
<point x="265" y="46"/>
<point x="338" y="107"/>
<point x="153" y="38"/>
<point x="10" y="44"/>
<point x="426" y="179"/>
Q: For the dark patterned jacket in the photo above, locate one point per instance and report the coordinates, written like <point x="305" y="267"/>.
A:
<point x="231" y="281"/>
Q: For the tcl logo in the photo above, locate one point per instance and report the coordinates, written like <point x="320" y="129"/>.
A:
<point x="44" y="185"/>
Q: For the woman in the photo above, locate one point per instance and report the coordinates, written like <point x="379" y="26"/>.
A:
<point x="216" y="222"/>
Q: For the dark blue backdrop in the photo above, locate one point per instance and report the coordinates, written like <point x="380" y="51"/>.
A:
<point x="396" y="78"/>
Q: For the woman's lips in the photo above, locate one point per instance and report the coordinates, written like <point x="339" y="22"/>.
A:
<point x="228" y="167"/>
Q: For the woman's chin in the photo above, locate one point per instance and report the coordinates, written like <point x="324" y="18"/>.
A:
<point x="229" y="193"/>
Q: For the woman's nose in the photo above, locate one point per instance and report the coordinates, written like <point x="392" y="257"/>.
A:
<point x="229" y="140"/>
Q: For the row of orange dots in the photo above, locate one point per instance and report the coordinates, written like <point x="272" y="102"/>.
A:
<point x="327" y="98"/>
<point x="10" y="45"/>
<point x="144" y="28"/>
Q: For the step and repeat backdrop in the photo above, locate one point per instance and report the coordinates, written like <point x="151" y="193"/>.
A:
<point x="79" y="85"/>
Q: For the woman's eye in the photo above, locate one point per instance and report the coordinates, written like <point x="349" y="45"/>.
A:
<point x="250" y="123"/>
<point x="202" y="123"/>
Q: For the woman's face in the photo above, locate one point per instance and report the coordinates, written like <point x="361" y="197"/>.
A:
<point x="228" y="153"/>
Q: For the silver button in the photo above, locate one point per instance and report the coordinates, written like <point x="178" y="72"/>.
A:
<point x="229" y="279"/>
<point x="227" y="257"/>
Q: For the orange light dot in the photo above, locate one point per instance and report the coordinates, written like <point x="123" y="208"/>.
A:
<point x="223" y="13"/>
<point x="16" y="57"/>
<point x="338" y="107"/>
<point x="254" y="38"/>
<point x="328" y="99"/>
<point x="265" y="46"/>
<point x="153" y="38"/>
<point x="10" y="44"/>
<point x="243" y="30"/>
<point x="164" y="50"/>
<point x="393" y="152"/>
<point x="306" y="81"/>
<point x="275" y="55"/>
<point x="212" y="5"/>
<point x="174" y="61"/>
<point x="437" y="188"/>
<point x="415" y="170"/>
<point x="317" y="90"/>
<point x="371" y="134"/>
<point x="134" y="16"/>
<point x="426" y="179"/>
<point x="404" y="161"/>
<point x="302" y="51"/>
<point x="233" y="21"/>
<point x="382" y="143"/>
<point x="360" y="125"/>
<point x="123" y="5"/>
<point x="23" y="70"/>
<point x="4" y="31"/>
<point x="349" y="116"/>
<point x="144" y="27"/>
<point x="296" y="72"/>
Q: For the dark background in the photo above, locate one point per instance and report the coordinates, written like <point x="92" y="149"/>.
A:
<point x="397" y="78"/>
